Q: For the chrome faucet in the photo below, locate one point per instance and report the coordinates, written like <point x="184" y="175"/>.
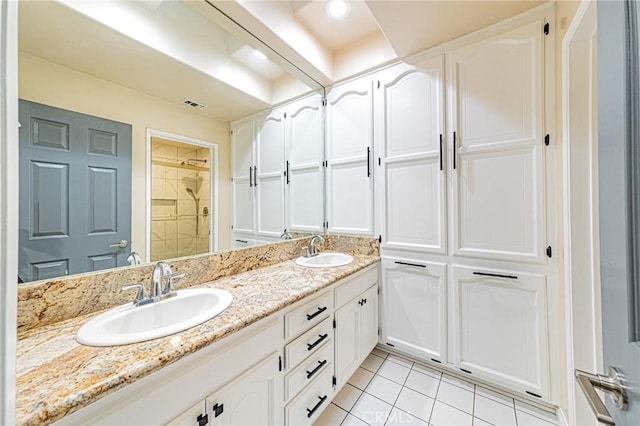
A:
<point x="134" y="258"/>
<point x="162" y="272"/>
<point x="286" y="235"/>
<point x="312" y="250"/>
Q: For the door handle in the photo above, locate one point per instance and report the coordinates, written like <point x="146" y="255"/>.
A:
<point x="121" y="244"/>
<point x="368" y="162"/>
<point x="614" y="384"/>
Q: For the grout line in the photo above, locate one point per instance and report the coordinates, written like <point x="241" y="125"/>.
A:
<point x="435" y="400"/>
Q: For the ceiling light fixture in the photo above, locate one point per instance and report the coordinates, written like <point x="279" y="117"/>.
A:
<point x="259" y="55"/>
<point x="338" y="9"/>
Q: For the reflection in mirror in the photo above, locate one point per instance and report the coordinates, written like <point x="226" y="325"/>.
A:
<point x="137" y="63"/>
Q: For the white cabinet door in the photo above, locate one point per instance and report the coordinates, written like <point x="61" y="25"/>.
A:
<point x="250" y="399"/>
<point x="268" y="174"/>
<point x="414" y="307"/>
<point x="497" y="115"/>
<point x="349" y="169"/>
<point x="347" y="350"/>
<point x="500" y="327"/>
<point x="410" y="148"/>
<point x="242" y="157"/>
<point x="304" y="157"/>
<point x="369" y="322"/>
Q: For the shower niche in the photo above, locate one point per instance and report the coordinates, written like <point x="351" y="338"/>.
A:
<point x="180" y="199"/>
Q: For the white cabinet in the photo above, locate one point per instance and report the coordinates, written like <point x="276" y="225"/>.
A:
<point x="499" y="172"/>
<point x="257" y="175"/>
<point x="250" y="399"/>
<point x="242" y="160"/>
<point x="356" y="333"/>
<point x="304" y="142"/>
<point x="410" y="148"/>
<point x="194" y="416"/>
<point x="414" y="307"/>
<point x="500" y="327"/>
<point x="349" y="141"/>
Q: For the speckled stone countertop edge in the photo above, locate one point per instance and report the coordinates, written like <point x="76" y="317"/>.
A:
<point x="56" y="376"/>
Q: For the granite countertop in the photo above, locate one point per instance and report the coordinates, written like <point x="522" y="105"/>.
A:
<point x="57" y="376"/>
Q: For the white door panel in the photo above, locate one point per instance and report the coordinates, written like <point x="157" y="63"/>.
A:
<point x="500" y="330"/>
<point x="243" y="206"/>
<point x="270" y="193"/>
<point x="414" y="307"/>
<point x="498" y="87"/>
<point x="242" y="138"/>
<point x="412" y="220"/>
<point x="347" y="341"/>
<point x="499" y="203"/>
<point x="348" y="205"/>
<point x="369" y="315"/>
<point x="304" y="204"/>
<point x="270" y="144"/>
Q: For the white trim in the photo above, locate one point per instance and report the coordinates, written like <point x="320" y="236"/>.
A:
<point x="8" y="206"/>
<point x="566" y="216"/>
<point x="213" y="160"/>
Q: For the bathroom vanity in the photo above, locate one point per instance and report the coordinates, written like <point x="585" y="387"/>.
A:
<point x="277" y="355"/>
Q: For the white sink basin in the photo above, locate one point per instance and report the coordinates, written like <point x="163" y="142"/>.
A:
<point x="325" y="260"/>
<point x="130" y="324"/>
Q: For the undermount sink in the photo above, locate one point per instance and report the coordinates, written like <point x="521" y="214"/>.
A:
<point x="130" y="324"/>
<point x="325" y="260"/>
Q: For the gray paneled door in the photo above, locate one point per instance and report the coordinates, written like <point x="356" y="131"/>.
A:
<point x="75" y="192"/>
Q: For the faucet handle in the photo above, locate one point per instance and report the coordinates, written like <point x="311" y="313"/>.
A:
<point x="171" y="279"/>
<point x="305" y="252"/>
<point x="139" y="295"/>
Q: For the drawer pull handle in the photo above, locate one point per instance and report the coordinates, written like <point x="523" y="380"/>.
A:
<point x="310" y="411"/>
<point x="316" y="313"/>
<point x="310" y="346"/>
<point x="486" y="274"/>
<point x="315" y="370"/>
<point x="410" y="264"/>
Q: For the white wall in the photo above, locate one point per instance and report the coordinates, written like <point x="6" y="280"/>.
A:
<point x="51" y="84"/>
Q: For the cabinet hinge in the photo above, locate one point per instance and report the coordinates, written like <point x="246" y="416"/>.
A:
<point x="231" y="132"/>
<point x="285" y="115"/>
<point x="334" y="381"/>
<point x="326" y="224"/>
<point x="533" y="394"/>
<point x="379" y="331"/>
<point x="466" y="371"/>
<point x="547" y="140"/>
<point x="549" y="252"/>
<point x="546" y="29"/>
<point x="218" y="409"/>
<point x="334" y="323"/>
<point x="380" y="238"/>
<point x="231" y="226"/>
<point x="324" y="102"/>
<point x="202" y="419"/>
<point x="378" y="84"/>
<point x="279" y="363"/>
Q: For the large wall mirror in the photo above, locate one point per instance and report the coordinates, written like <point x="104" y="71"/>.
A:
<point x="140" y="96"/>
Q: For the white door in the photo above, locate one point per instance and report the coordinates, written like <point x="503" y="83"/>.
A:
<point x="498" y="143"/>
<point x="249" y="399"/>
<point x="304" y="157"/>
<point x="414" y="307"/>
<point x="369" y="321"/>
<point x="269" y="175"/>
<point x="347" y="341"/>
<point x="242" y="157"/>
<point x="410" y="149"/>
<point x="349" y="170"/>
<point x="500" y="327"/>
<point x="194" y="416"/>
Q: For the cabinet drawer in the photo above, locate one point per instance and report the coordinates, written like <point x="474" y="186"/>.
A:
<point x="307" y="407"/>
<point x="352" y="288"/>
<point x="307" y="315"/>
<point x="308" y="370"/>
<point x="307" y="344"/>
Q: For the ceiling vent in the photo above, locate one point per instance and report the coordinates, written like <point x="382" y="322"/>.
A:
<point x="193" y="104"/>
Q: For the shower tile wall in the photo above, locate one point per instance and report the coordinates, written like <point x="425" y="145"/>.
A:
<point x="173" y="209"/>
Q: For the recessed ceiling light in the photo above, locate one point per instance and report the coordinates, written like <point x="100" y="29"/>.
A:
<point x="337" y="9"/>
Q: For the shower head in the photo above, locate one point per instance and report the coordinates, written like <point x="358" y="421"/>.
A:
<point x="190" y="191"/>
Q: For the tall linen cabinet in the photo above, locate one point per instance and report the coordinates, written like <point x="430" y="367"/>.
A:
<point x="464" y="205"/>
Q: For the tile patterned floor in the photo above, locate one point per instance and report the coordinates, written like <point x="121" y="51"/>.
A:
<point x="391" y="390"/>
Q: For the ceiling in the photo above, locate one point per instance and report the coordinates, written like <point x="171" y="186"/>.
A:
<point x="146" y="46"/>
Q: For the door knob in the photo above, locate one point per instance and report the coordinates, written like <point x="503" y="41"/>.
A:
<point x="614" y="384"/>
<point x="121" y="244"/>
